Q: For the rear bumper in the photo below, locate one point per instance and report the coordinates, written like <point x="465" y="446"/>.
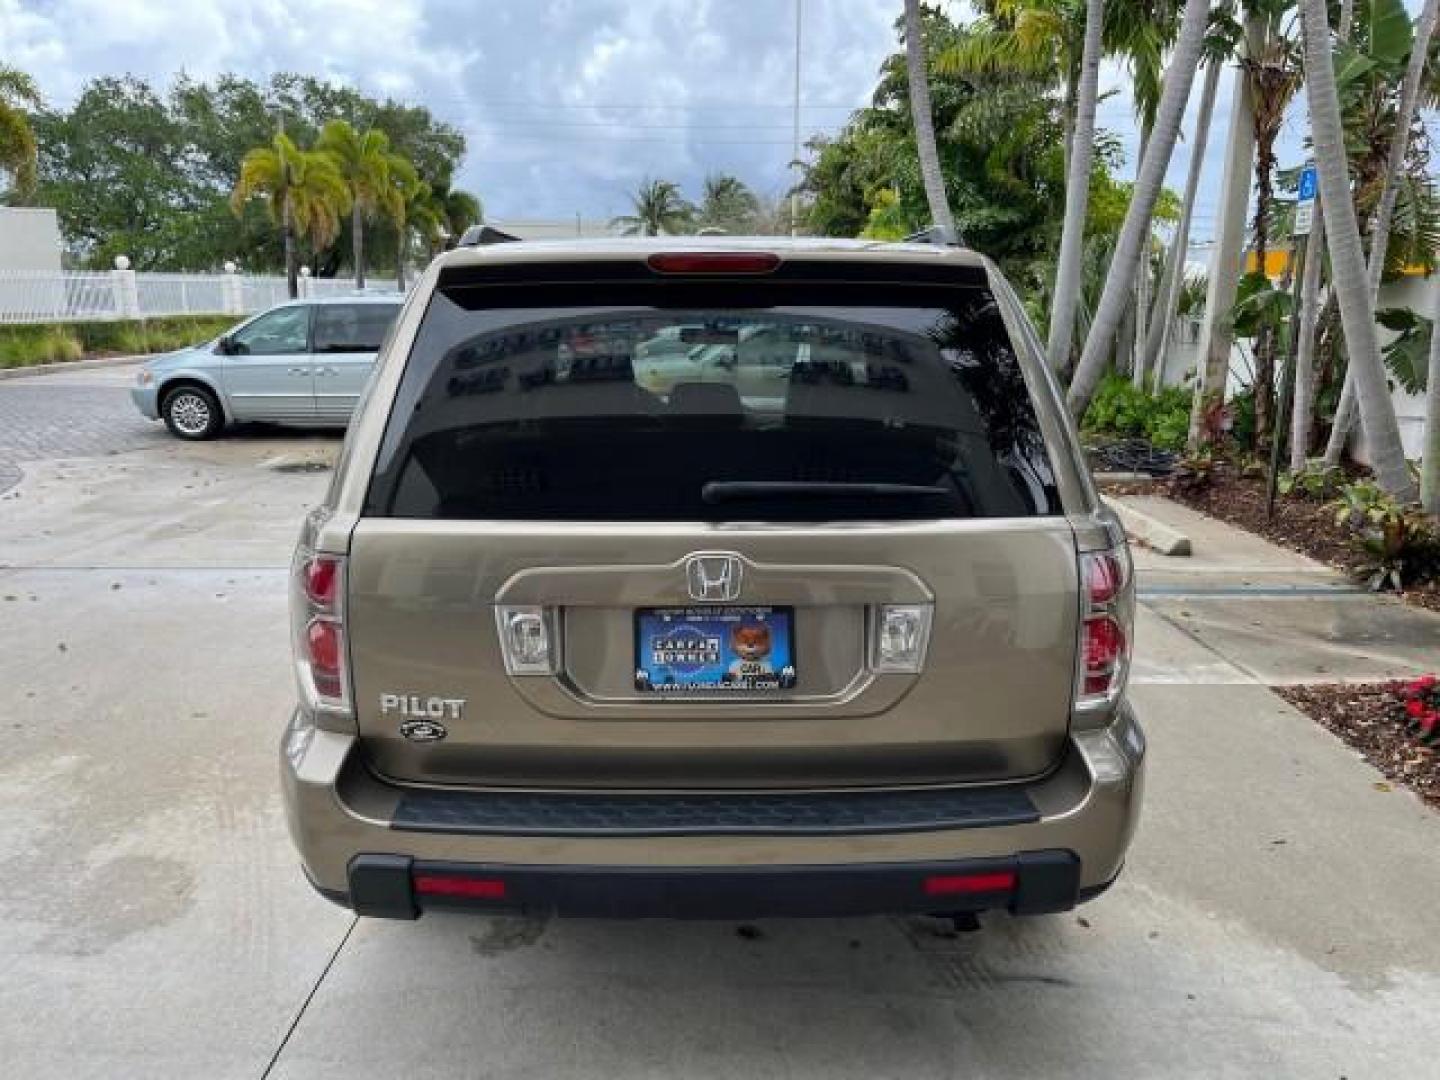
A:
<point x="364" y="843"/>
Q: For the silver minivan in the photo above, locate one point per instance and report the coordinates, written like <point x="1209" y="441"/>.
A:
<point x="303" y="363"/>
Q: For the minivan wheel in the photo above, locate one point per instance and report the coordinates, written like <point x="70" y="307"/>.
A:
<point x="192" y="413"/>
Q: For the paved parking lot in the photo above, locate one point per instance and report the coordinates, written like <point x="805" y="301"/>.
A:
<point x="1277" y="917"/>
<point x="75" y="414"/>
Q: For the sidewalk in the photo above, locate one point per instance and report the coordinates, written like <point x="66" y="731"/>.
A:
<point x="1269" y="614"/>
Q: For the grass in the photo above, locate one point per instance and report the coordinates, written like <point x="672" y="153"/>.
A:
<point x="56" y="343"/>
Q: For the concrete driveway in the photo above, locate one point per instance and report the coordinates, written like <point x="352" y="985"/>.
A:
<point x="1278" y="916"/>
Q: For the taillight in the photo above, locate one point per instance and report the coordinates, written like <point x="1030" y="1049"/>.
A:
<point x="1105" y="628"/>
<point x="317" y="613"/>
<point x="713" y="262"/>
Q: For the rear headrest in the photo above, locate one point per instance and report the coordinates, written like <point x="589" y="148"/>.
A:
<point x="706" y="399"/>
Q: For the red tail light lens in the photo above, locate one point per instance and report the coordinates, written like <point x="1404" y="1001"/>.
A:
<point x="1108" y="605"/>
<point x="713" y="262"/>
<point x="1105" y="646"/>
<point x="1103" y="578"/>
<point x="317" y="603"/>
<point x="970" y="884"/>
<point x="466" y="887"/>
<point x="322" y="575"/>
<point x="325" y="646"/>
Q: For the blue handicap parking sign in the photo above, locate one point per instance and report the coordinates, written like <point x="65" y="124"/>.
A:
<point x="1308" y="183"/>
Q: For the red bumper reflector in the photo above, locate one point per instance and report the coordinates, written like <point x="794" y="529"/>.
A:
<point x="468" y="887"/>
<point x="713" y="262"/>
<point x="964" y="884"/>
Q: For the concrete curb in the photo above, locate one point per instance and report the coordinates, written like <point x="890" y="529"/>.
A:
<point x="69" y="365"/>
<point x="1153" y="533"/>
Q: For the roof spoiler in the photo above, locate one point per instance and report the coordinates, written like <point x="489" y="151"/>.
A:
<point x="482" y="235"/>
<point x="938" y="235"/>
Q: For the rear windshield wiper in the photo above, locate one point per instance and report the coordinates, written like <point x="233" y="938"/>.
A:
<point x="718" y="491"/>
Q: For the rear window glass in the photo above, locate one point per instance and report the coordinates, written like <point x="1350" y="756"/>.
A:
<point x="773" y="401"/>
<point x="352" y="327"/>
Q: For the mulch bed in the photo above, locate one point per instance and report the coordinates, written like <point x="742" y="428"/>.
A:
<point x="1299" y="524"/>
<point x="1367" y="717"/>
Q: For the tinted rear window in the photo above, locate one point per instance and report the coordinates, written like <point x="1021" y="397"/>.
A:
<point x="352" y="327"/>
<point x="685" y="401"/>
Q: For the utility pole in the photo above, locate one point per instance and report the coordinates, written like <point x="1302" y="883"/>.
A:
<point x="795" y="145"/>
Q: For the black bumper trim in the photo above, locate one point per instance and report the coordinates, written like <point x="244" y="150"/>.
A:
<point x="1046" y="881"/>
<point x="712" y="813"/>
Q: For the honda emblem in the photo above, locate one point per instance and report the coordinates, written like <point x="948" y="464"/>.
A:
<point x="713" y="577"/>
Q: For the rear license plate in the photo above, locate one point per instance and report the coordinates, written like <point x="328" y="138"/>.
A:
<point x="714" y="649"/>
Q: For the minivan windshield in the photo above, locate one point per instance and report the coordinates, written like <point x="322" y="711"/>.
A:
<point x="733" y="401"/>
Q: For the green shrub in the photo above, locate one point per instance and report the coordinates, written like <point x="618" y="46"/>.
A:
<point x="1316" y="482"/>
<point x="21" y="346"/>
<point x="1398" y="543"/>
<point x="49" y="343"/>
<point x="1120" y="410"/>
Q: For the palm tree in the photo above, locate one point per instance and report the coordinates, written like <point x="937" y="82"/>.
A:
<point x="1430" y="455"/>
<point x="1173" y="276"/>
<point x="17" y="140"/>
<point x="924" y="120"/>
<point x="1217" y="335"/>
<point x="1384" y="211"/>
<point x="1273" y="72"/>
<point x="1347" y="260"/>
<point x="1077" y="194"/>
<point x="456" y="210"/>
<point x="365" y="163"/>
<point x="727" y="203"/>
<point x="1179" y="76"/>
<point x="1302" y="411"/>
<point x="406" y="204"/>
<point x="659" y="208"/>
<point x="303" y="192"/>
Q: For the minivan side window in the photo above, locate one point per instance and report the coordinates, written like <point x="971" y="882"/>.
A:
<point x="276" y="333"/>
<point x="352" y="328"/>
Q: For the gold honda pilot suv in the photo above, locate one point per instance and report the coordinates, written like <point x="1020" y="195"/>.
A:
<point x="712" y="578"/>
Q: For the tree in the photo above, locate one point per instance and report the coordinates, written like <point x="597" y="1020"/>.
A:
<point x="726" y="203"/>
<point x="659" y="208"/>
<point x="1302" y="410"/>
<point x="456" y="210"/>
<point x="411" y="208"/>
<point x="1172" y="278"/>
<point x="924" y="120"/>
<point x="1216" y="335"/>
<point x="1273" y="72"/>
<point x="135" y="172"/>
<point x="1390" y="27"/>
<point x="17" y="139"/>
<point x="303" y="192"/>
<point x="366" y="164"/>
<point x="1347" y="261"/>
<point x="1077" y="194"/>
<point x="1430" y="455"/>
<point x="1148" y="185"/>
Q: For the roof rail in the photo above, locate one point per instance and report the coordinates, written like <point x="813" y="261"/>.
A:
<point x="938" y="235"/>
<point x="481" y="235"/>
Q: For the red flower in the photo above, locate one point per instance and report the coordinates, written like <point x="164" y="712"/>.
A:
<point x="1415" y="708"/>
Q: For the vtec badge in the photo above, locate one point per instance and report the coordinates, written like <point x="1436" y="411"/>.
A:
<point x="424" y="716"/>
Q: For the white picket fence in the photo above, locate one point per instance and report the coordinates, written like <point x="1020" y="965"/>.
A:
<point x="39" y="297"/>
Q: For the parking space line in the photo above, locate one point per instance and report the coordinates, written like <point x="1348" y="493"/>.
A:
<point x="295" y="1023"/>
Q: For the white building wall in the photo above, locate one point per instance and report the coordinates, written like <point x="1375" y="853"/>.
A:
<point x="29" y="239"/>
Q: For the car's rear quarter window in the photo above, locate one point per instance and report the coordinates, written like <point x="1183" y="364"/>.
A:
<point x="621" y="400"/>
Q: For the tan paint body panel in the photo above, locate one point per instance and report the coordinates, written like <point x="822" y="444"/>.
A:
<point x="992" y="702"/>
<point x="992" y="706"/>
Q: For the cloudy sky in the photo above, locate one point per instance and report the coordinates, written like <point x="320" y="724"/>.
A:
<point x="566" y="104"/>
